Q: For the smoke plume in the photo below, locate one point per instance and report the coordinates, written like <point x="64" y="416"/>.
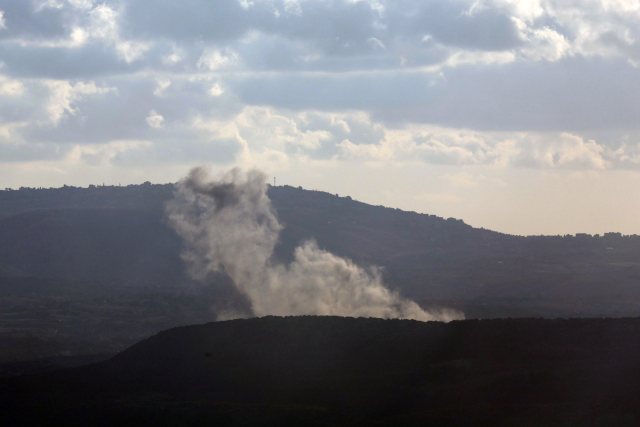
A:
<point x="229" y="225"/>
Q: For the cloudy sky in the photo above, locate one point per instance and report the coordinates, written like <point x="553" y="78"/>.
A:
<point x="518" y="116"/>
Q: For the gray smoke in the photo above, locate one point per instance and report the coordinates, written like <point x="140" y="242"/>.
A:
<point x="229" y="225"/>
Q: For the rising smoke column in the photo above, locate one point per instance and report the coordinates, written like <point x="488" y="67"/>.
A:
<point x="229" y="225"/>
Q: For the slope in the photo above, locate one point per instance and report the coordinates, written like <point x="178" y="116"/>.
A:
<point x="345" y="371"/>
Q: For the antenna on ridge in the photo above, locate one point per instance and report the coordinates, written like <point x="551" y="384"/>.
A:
<point x="274" y="181"/>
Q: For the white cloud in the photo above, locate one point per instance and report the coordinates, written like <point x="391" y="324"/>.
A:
<point x="260" y="128"/>
<point x="103" y="154"/>
<point x="216" y="90"/>
<point x="545" y="43"/>
<point x="565" y="151"/>
<point x="81" y="4"/>
<point x="155" y="120"/>
<point x="426" y="143"/>
<point x="9" y="134"/>
<point x="264" y="127"/>
<point x="103" y="23"/>
<point x="292" y="7"/>
<point x="214" y="59"/>
<point x="48" y="4"/>
<point x="465" y="57"/>
<point x="246" y="4"/>
<point x="177" y="55"/>
<point x="89" y="23"/>
<point x="524" y="9"/>
<point x="436" y="145"/>
<point x="162" y="84"/>
<point x="3" y="22"/>
<point x="218" y="129"/>
<point x="10" y="87"/>
<point x="268" y="159"/>
<point x="469" y="32"/>
<point x="132" y="50"/>
<point x="587" y="23"/>
<point x="62" y="96"/>
<point x="376" y="43"/>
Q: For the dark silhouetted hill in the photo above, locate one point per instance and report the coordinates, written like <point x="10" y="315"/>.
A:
<point x="344" y="371"/>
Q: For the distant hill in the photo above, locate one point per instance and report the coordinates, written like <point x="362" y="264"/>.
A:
<point x="146" y="197"/>
<point x="98" y="244"/>
<point x="117" y="234"/>
<point x="343" y="371"/>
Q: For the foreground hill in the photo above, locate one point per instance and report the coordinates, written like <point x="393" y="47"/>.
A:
<point x="345" y="371"/>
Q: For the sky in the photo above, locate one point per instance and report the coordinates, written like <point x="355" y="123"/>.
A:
<point x="517" y="116"/>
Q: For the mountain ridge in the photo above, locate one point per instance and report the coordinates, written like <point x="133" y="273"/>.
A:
<point x="436" y="261"/>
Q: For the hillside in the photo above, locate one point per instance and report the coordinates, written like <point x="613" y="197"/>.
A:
<point x="344" y="371"/>
<point x="117" y="234"/>
<point x="92" y="270"/>
<point x="95" y="244"/>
